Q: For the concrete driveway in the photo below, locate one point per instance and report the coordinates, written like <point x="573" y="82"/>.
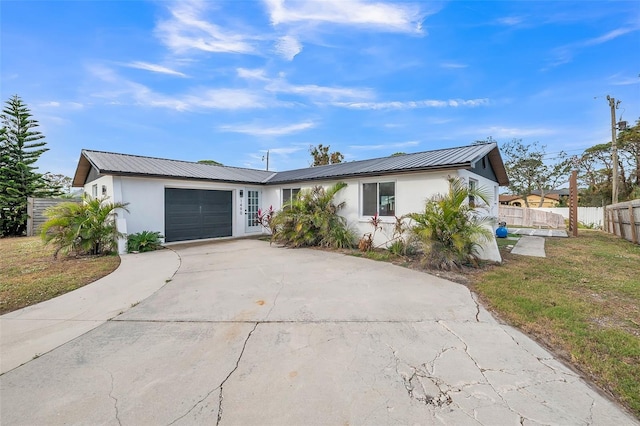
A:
<point x="250" y="334"/>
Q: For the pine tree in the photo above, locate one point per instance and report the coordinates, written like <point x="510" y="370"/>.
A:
<point x="20" y="147"/>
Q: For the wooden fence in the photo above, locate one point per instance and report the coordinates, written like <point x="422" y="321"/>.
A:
<point x="520" y="216"/>
<point x="623" y="220"/>
<point x="36" y="208"/>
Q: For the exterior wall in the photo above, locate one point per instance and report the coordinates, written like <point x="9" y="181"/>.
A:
<point x="411" y="193"/>
<point x="146" y="201"/>
<point x="491" y="187"/>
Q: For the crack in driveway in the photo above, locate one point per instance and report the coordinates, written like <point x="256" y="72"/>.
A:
<point x="115" y="400"/>
<point x="221" y="385"/>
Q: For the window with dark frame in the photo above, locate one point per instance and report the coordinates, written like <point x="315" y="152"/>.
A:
<point x="289" y="194"/>
<point x="379" y="198"/>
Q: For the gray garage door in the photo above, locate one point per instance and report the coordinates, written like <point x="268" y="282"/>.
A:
<point x="192" y="214"/>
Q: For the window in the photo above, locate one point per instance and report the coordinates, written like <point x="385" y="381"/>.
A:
<point x="289" y="194"/>
<point x="473" y="185"/>
<point x="94" y="191"/>
<point x="104" y="190"/>
<point x="379" y="198"/>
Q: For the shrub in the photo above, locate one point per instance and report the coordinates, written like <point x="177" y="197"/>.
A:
<point x="86" y="228"/>
<point x="366" y="242"/>
<point x="312" y="219"/>
<point x="449" y="230"/>
<point x="144" y="241"/>
<point x="265" y="219"/>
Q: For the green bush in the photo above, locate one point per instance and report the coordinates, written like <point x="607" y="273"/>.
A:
<point x="402" y="248"/>
<point x="312" y="219"/>
<point x="449" y="230"/>
<point x="85" y="228"/>
<point x="144" y="241"/>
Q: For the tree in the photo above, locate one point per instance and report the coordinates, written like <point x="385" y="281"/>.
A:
<point x="322" y="156"/>
<point x="629" y="145"/>
<point x="312" y="219"/>
<point x="20" y="147"/>
<point x="58" y="182"/>
<point x="83" y="228"/>
<point x="449" y="229"/>
<point x="210" y="162"/>
<point x="595" y="175"/>
<point x="528" y="171"/>
<point x="596" y="169"/>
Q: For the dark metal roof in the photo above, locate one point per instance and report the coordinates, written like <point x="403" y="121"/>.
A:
<point x="449" y="158"/>
<point x="123" y="164"/>
<point x="442" y="159"/>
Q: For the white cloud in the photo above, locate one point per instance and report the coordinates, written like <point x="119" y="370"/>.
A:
<point x="154" y="68"/>
<point x="120" y="90"/>
<point x="427" y="103"/>
<point x="64" y="105"/>
<point x="498" y="132"/>
<point x="285" y="151"/>
<point x="618" y="80"/>
<point x="611" y="35"/>
<point x="564" y="54"/>
<point x="187" y="29"/>
<point x="226" y="99"/>
<point x="510" y="20"/>
<point x="259" y="130"/>
<point x="394" y="17"/>
<point x="407" y="144"/>
<point x="288" y="47"/>
<point x="320" y="92"/>
<point x="453" y="65"/>
<point x="254" y="74"/>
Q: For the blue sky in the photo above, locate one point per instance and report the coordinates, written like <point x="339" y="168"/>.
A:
<point x="230" y="80"/>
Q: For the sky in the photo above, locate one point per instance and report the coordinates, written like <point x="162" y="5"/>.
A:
<point x="231" y="80"/>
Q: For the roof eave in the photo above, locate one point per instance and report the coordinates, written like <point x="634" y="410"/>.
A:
<point x="158" y="176"/>
<point x="498" y="166"/>
<point x="82" y="171"/>
<point x="376" y="173"/>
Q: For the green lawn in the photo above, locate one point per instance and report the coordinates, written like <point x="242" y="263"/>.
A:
<point x="29" y="274"/>
<point x="583" y="301"/>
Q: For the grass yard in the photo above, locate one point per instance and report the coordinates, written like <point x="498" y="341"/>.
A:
<point x="583" y="301"/>
<point x="29" y="274"/>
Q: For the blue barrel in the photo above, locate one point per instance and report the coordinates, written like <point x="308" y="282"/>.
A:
<point x="502" y="232"/>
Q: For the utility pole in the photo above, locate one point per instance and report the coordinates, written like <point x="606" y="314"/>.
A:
<point x="614" y="149"/>
<point x="263" y="157"/>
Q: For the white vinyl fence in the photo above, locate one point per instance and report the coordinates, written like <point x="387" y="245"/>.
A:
<point x="588" y="216"/>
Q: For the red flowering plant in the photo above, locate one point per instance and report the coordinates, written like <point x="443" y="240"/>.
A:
<point x="265" y="219"/>
<point x="366" y="242"/>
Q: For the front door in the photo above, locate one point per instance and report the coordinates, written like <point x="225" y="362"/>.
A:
<point x="252" y="204"/>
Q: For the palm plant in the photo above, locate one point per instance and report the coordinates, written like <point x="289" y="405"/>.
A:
<point x="450" y="230"/>
<point x="312" y="219"/>
<point x="89" y="227"/>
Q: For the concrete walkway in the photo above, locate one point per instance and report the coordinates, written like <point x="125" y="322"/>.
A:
<point x="250" y="334"/>
<point x="561" y="233"/>
<point x="529" y="246"/>
<point x="35" y="330"/>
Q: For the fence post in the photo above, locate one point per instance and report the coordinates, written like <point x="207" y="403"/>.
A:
<point x="29" y="216"/>
<point x="573" y="203"/>
<point x="620" y="223"/>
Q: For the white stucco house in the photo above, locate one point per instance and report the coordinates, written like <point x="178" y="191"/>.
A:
<point x="191" y="201"/>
